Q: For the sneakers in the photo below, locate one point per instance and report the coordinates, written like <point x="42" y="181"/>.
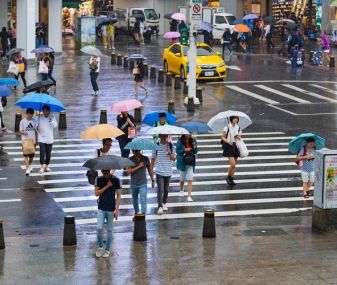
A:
<point x="181" y="193"/>
<point x="41" y="170"/>
<point x="165" y="207"/>
<point x="106" y="253"/>
<point x="160" y="211"/>
<point x="189" y="199"/>
<point x="47" y="169"/>
<point x="99" y="252"/>
<point x="288" y="62"/>
<point x="28" y="170"/>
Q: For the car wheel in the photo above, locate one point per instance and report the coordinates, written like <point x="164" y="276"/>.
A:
<point x="182" y="72"/>
<point x="166" y="69"/>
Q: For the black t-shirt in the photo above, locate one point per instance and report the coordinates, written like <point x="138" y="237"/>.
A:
<point x="107" y="200"/>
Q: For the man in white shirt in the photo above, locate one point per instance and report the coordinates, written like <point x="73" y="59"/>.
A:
<point x="268" y="34"/>
<point x="46" y="125"/>
<point x="105" y="150"/>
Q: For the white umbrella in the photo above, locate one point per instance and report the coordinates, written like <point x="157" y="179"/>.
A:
<point x="221" y="120"/>
<point x="91" y="50"/>
<point x="168" y="130"/>
<point x="285" y="20"/>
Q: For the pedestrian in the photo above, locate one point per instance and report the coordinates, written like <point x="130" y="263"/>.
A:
<point x="51" y="59"/>
<point x="268" y="33"/>
<point x="141" y="31"/>
<point x="46" y="125"/>
<point x="104" y="36"/>
<point x="260" y="27"/>
<point x="3" y="103"/>
<point x="126" y="123"/>
<point x="173" y="25"/>
<point x="162" y="122"/>
<point x="13" y="44"/>
<point x="230" y="134"/>
<point x="207" y="37"/>
<point x="138" y="72"/>
<point x="28" y="133"/>
<point x="186" y="157"/>
<point x="138" y="183"/>
<point x="4" y="41"/>
<point x="108" y="190"/>
<point x="162" y="159"/>
<point x="325" y="48"/>
<point x="226" y="41"/>
<point x="105" y="149"/>
<point x="306" y="162"/>
<point x="110" y="31"/>
<point x="94" y="66"/>
<point x="21" y="62"/>
<point x="136" y="31"/>
<point x="284" y="39"/>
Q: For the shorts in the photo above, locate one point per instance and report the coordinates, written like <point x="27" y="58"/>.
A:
<point x="187" y="174"/>
<point x="29" y="155"/>
<point x="308" y="176"/>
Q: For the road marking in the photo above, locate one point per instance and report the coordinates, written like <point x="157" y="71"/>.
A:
<point x="233" y="67"/>
<point x="280" y="93"/>
<point x="201" y="215"/>
<point x="283" y="110"/>
<point x="3" y="178"/>
<point x="325" y="89"/>
<point x="251" y="94"/>
<point x="295" y="88"/>
<point x="9" y="200"/>
<point x="271" y="81"/>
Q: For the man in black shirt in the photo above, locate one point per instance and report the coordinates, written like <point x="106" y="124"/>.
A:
<point x="284" y="40"/>
<point x="108" y="189"/>
<point x="126" y="123"/>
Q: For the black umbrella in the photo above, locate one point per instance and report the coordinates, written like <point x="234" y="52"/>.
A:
<point x="168" y="16"/>
<point x="107" y="21"/>
<point x="37" y="85"/>
<point x="108" y="162"/>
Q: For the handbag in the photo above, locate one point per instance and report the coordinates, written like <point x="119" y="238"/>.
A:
<point x="28" y="146"/>
<point x="189" y="158"/>
<point x="13" y="68"/>
<point x="135" y="71"/>
<point x="242" y="148"/>
<point x="132" y="132"/>
<point x="43" y="68"/>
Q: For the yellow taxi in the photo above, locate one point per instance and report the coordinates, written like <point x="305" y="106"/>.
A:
<point x="210" y="64"/>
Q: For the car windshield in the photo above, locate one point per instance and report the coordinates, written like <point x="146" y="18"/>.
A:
<point x="201" y="51"/>
<point x="151" y="14"/>
<point x="230" y="19"/>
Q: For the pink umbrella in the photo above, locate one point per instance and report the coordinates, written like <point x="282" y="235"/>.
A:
<point x="178" y="17"/>
<point x="171" y="35"/>
<point x="126" y="105"/>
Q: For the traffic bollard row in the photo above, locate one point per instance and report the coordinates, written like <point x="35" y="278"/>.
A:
<point x="139" y="232"/>
<point x="2" y="238"/>
<point x="168" y="81"/>
<point x="190" y="104"/>
<point x="138" y="115"/>
<point x="119" y="59"/>
<point x="62" y="120"/>
<point x="103" y="119"/>
<point x="113" y="58"/>
<point x="185" y="89"/>
<point x="199" y="94"/>
<point x="208" y="230"/>
<point x="171" y="107"/>
<point x="160" y="76"/>
<point x="18" y="118"/>
<point x="69" y="231"/>
<point x="153" y="74"/>
<point x="177" y="82"/>
<point x="332" y="62"/>
<point x="125" y="62"/>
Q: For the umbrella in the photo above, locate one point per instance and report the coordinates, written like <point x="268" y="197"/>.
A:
<point x="168" y="130"/>
<point x="269" y="19"/>
<point x="42" y="49"/>
<point x="37" y="100"/>
<point x="241" y="28"/>
<point x="142" y="144"/>
<point x="196" y="127"/>
<point x="221" y="120"/>
<point x="7" y="81"/>
<point x="37" y="85"/>
<point x="168" y="16"/>
<point x="14" y="51"/>
<point x="106" y="21"/>
<point x="101" y="131"/>
<point x="206" y="27"/>
<point x="171" y="35"/>
<point x="285" y="20"/>
<point x="108" y="162"/>
<point x="250" y="17"/>
<point x="136" y="56"/>
<point x="178" y="17"/>
<point x="236" y="22"/>
<point x="153" y="117"/>
<point x="298" y="142"/>
<point x="126" y="105"/>
<point x="91" y="50"/>
<point x="5" y="91"/>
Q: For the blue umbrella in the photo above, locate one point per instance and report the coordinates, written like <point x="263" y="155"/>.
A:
<point x="237" y="22"/>
<point x="37" y="100"/>
<point x="5" y="91"/>
<point x="196" y="127"/>
<point x="142" y="144"/>
<point x="7" y="81"/>
<point x="298" y="142"/>
<point x="153" y="117"/>
<point x="42" y="49"/>
<point x="250" y="17"/>
<point x="206" y="27"/>
<point x="136" y="56"/>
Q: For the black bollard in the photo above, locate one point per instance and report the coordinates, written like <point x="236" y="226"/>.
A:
<point x="62" y="120"/>
<point x="139" y="232"/>
<point x="199" y="94"/>
<point x="168" y="81"/>
<point x="153" y="72"/>
<point x="208" y="230"/>
<point x="177" y="82"/>
<point x="190" y="105"/>
<point x="119" y="59"/>
<point x="69" y="232"/>
<point x="103" y="117"/>
<point x="113" y="58"/>
<point x="185" y="90"/>
<point x="18" y="118"/>
<point x="138" y="115"/>
<point x="311" y="56"/>
<point x="160" y="76"/>
<point x="2" y="238"/>
<point x="131" y="64"/>
<point x="146" y="70"/>
<point x="170" y="108"/>
<point x="125" y="62"/>
<point x="332" y="62"/>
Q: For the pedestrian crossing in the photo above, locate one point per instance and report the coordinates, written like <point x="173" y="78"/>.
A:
<point x="268" y="180"/>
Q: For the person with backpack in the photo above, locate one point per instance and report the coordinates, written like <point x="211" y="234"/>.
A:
<point x="187" y="150"/>
<point x="226" y="42"/>
<point x="126" y="123"/>
<point x="284" y="39"/>
<point x="306" y="161"/>
<point x="21" y="62"/>
<point x="162" y="160"/>
<point x="231" y="133"/>
<point x="94" y="66"/>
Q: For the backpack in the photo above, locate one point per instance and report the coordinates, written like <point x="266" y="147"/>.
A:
<point x="93" y="174"/>
<point x="3" y="101"/>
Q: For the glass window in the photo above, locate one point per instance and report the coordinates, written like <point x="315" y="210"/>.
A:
<point x="137" y="12"/>
<point x="175" y="49"/>
<point x="151" y="14"/>
<point x="220" y="20"/>
<point x="230" y="19"/>
<point x="201" y="51"/>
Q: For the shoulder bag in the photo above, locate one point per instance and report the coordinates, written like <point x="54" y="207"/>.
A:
<point x="28" y="147"/>
<point x="43" y="68"/>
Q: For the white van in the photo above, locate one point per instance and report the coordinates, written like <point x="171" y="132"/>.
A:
<point x="149" y="15"/>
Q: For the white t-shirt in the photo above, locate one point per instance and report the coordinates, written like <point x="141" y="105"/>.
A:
<point x="98" y="61"/>
<point x="233" y="132"/>
<point x="267" y="29"/>
<point x="95" y="154"/>
<point x="46" y="128"/>
<point x="30" y="127"/>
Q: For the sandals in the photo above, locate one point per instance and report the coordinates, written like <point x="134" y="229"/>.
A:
<point x="306" y="195"/>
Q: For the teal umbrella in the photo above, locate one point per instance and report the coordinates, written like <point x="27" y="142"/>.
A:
<point x="142" y="144"/>
<point x="300" y="141"/>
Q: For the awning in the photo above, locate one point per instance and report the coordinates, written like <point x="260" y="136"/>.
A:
<point x="71" y="3"/>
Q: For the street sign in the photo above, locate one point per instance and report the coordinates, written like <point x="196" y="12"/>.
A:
<point x="195" y="15"/>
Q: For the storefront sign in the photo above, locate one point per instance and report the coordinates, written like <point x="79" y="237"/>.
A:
<point x="256" y="8"/>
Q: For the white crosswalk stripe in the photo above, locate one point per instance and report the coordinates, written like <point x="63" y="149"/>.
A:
<point x="268" y="180"/>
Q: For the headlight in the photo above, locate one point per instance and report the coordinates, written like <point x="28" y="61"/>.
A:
<point x="221" y="64"/>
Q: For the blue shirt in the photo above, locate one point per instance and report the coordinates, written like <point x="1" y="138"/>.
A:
<point x="308" y="164"/>
<point x="107" y="200"/>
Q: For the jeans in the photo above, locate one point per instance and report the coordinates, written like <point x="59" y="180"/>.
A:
<point x="123" y="141"/>
<point x="45" y="152"/>
<point x="141" y="190"/>
<point x="44" y="76"/>
<point x="224" y="45"/>
<point x="93" y="78"/>
<point x="101" y="217"/>
<point x="22" y="74"/>
<point x="50" y="75"/>
<point x="2" y="121"/>
<point x="163" y="183"/>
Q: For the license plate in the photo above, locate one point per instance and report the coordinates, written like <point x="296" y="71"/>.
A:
<point x="209" y="73"/>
